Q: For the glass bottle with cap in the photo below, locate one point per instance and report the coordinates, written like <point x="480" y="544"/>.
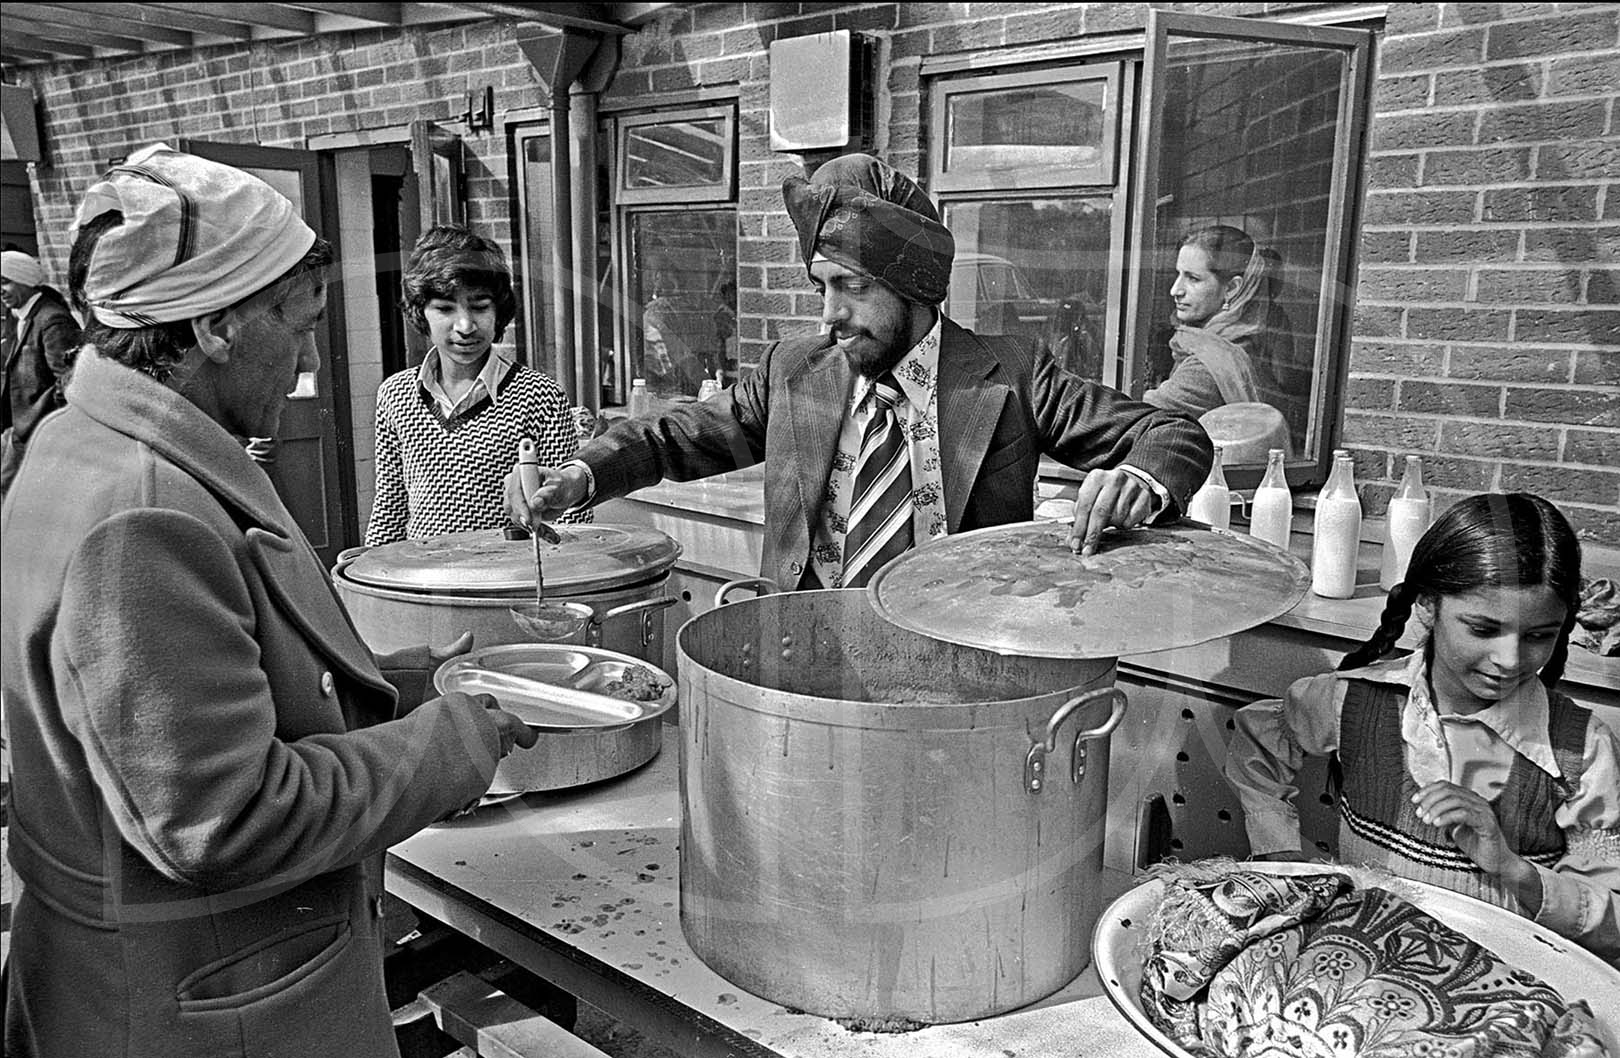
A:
<point x="640" y="402"/>
<point x="1212" y="503"/>
<point x="1272" y="511"/>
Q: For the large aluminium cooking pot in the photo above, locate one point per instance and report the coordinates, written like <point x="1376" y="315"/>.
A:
<point x="879" y="824"/>
<point x="430" y="591"/>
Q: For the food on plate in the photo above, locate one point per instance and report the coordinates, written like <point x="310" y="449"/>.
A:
<point x="636" y="685"/>
<point x="1245" y="963"/>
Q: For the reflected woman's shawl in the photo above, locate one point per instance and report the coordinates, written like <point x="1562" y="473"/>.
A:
<point x="1249" y="964"/>
<point x="1227" y="362"/>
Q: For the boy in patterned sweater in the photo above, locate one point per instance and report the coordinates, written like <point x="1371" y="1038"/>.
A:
<point x="448" y="431"/>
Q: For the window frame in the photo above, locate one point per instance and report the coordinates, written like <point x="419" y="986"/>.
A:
<point x="1337" y="292"/>
<point x="942" y="90"/>
<point x="531" y="282"/>
<point x="1121" y="72"/>
<point x="723" y="190"/>
<point x="629" y="202"/>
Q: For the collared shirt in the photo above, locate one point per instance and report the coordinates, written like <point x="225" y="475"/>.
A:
<point x="917" y="374"/>
<point x="430" y="376"/>
<point x="28" y="306"/>
<point x="1580" y="894"/>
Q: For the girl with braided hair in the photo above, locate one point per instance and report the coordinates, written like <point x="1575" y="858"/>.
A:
<point x="1459" y="764"/>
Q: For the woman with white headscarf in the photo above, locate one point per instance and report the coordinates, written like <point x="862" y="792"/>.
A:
<point x="1223" y="324"/>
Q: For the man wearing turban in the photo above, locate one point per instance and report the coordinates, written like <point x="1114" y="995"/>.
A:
<point x="206" y="761"/>
<point x="896" y="426"/>
<point x="37" y="356"/>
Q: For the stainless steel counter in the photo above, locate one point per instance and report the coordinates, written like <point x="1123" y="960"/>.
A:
<point x="581" y="887"/>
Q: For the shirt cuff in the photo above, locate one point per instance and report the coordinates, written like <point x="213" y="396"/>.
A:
<point x="1160" y="493"/>
<point x="590" y="483"/>
<point x="1567" y="906"/>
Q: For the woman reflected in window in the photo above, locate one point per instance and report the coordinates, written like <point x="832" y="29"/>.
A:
<point x="1228" y="332"/>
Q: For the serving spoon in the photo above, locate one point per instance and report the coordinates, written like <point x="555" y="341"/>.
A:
<point x="549" y="622"/>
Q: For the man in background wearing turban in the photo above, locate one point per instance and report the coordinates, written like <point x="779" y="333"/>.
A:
<point x="964" y="418"/>
<point x="37" y="357"/>
<point x="206" y="760"/>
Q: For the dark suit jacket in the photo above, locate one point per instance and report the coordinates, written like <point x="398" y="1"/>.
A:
<point x="1001" y="404"/>
<point x="45" y="341"/>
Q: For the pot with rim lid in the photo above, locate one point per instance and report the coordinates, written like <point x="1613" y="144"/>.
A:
<point x="894" y="800"/>
<point x="430" y="591"/>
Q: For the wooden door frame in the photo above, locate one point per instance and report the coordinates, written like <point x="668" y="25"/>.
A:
<point x="318" y="178"/>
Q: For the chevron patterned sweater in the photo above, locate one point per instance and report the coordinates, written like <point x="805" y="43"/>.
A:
<point x="437" y="475"/>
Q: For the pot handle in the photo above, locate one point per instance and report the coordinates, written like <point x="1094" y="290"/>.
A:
<point x="646" y="608"/>
<point x="761" y="586"/>
<point x="1035" y="760"/>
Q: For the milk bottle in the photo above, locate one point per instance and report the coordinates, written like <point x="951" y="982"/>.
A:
<point x="1404" y="521"/>
<point x="1272" y="511"/>
<point x="1212" y="503"/>
<point x="1338" y="532"/>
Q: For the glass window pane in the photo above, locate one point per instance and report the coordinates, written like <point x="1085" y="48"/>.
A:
<point x="1246" y="169"/>
<point x="675" y="154"/>
<point x="1053" y="128"/>
<point x="683" y="292"/>
<point x="1037" y="267"/>
<point x="537" y="242"/>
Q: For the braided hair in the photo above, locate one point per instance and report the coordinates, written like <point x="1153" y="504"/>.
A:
<point x="1510" y="540"/>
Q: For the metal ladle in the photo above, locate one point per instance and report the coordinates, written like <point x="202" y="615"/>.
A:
<point x="548" y="622"/>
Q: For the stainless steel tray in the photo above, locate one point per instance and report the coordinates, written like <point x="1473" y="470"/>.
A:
<point x="558" y="687"/>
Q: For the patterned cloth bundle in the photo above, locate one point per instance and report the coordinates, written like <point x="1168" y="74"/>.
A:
<point x="1244" y="964"/>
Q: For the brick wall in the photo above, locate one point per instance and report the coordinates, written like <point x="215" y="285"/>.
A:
<point x="1488" y="322"/>
<point x="279" y="94"/>
<point x="1487" y="334"/>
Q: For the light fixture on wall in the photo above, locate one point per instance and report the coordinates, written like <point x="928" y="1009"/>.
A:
<point x="480" y="112"/>
<point x="821" y="91"/>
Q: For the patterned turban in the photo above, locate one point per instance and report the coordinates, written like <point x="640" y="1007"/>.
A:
<point x="864" y="214"/>
<point x="197" y="236"/>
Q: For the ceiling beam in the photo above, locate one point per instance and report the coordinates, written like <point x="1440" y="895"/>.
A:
<point x="79" y="36"/>
<point x="187" y="21"/>
<point x="636" y="14"/>
<point x="264" y="16"/>
<point x="562" y="16"/>
<point x="79" y="16"/>
<point x="382" y="14"/>
<point x="60" y="48"/>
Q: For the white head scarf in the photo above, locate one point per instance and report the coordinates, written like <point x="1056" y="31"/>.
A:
<point x="22" y="268"/>
<point x="197" y="236"/>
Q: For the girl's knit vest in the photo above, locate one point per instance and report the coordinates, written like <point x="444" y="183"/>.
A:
<point x="1379" y="824"/>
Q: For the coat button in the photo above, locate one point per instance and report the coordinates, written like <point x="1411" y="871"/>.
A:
<point x="795" y="568"/>
<point x="327" y="684"/>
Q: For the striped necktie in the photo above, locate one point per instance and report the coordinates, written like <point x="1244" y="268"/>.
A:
<point x="880" y="506"/>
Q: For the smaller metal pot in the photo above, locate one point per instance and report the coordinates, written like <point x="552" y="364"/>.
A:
<point x="431" y="591"/>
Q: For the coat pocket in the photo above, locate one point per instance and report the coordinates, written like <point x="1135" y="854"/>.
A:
<point x="263" y="969"/>
<point x="1013" y="451"/>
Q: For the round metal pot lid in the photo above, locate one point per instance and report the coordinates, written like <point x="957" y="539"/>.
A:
<point x="590" y="558"/>
<point x="1018" y="589"/>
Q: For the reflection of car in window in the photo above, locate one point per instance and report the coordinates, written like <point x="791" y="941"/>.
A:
<point x="991" y="296"/>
